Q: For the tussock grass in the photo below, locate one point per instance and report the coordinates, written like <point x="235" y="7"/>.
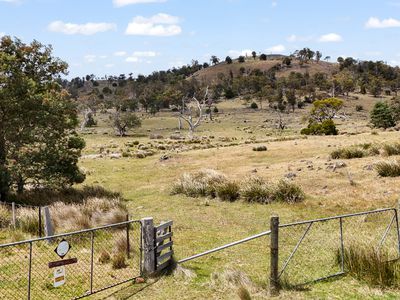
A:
<point x="118" y="261"/>
<point x="255" y="189"/>
<point x="28" y="220"/>
<point x="289" y="192"/>
<point x="5" y="217"/>
<point x="228" y="191"/>
<point x="347" y="153"/>
<point x="388" y="168"/>
<point x="367" y="264"/>
<point x="260" y="148"/>
<point x="392" y="149"/>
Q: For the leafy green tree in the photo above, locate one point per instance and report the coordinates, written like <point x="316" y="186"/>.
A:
<point x="263" y="57"/>
<point x="123" y="121"/>
<point x="254" y="54"/>
<point x="375" y="87"/>
<point x="325" y="109"/>
<point x="318" y="56"/>
<point x="214" y="60"/>
<point x="381" y="116"/>
<point x="38" y="143"/>
<point x="291" y="98"/>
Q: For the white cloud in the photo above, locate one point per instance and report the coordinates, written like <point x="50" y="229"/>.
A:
<point x="133" y="59"/>
<point x="85" y="29"/>
<point x="330" y="37"/>
<point x="103" y="56"/>
<point x="2" y="34"/>
<point x="120" y="3"/>
<point x="274" y="4"/>
<point x="90" y="58"/>
<point x="276" y="49"/>
<point x="144" y="54"/>
<point x="236" y="53"/>
<point x="157" y="25"/>
<point x="120" y="53"/>
<point x="296" y="38"/>
<point x="385" y="23"/>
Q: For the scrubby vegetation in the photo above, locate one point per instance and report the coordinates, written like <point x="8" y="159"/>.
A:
<point x="388" y="169"/>
<point x="253" y="189"/>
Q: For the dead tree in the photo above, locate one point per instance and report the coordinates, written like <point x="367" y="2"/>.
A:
<point x="189" y="119"/>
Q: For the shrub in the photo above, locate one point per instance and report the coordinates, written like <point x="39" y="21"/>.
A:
<point x="286" y="191"/>
<point x="367" y="264"/>
<point x="260" y="148"/>
<point x="228" y="191"/>
<point x="327" y="127"/>
<point x="104" y="257"/>
<point x="392" y="149"/>
<point x="201" y="183"/>
<point x="347" y="153"/>
<point x="254" y="189"/>
<point x="388" y="169"/>
<point x="216" y="110"/>
<point x="118" y="261"/>
<point x="359" y="108"/>
<point x="253" y="105"/>
<point x="381" y="116"/>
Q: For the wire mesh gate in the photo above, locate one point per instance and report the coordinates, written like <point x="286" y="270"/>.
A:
<point x="105" y="257"/>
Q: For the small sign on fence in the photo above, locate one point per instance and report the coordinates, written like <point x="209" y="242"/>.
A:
<point x="62" y="248"/>
<point x="59" y="276"/>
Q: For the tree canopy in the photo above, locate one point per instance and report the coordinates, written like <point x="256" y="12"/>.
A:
<point x="38" y="142"/>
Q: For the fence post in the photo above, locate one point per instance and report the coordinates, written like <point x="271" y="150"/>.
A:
<point x="48" y="226"/>
<point x="13" y="220"/>
<point x="149" y="262"/>
<point x="128" y="244"/>
<point x="274" y="279"/>
<point x="40" y="221"/>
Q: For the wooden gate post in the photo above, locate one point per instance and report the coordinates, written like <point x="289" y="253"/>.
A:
<point x="149" y="260"/>
<point x="274" y="285"/>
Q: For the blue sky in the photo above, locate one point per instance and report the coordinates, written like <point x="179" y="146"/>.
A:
<point x="106" y="37"/>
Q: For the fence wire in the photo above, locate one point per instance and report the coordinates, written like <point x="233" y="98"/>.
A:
<point x="106" y="256"/>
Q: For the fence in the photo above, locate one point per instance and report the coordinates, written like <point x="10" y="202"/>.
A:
<point x="308" y="251"/>
<point x="98" y="259"/>
<point x="13" y="215"/>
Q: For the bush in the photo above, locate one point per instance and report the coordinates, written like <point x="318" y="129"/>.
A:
<point x="260" y="148"/>
<point x="392" y="149"/>
<point x="228" y="191"/>
<point x="229" y="93"/>
<point x="118" y="261"/>
<point x="327" y="127"/>
<point x="216" y="110"/>
<point x="104" y="257"/>
<point x="367" y="264"/>
<point x="381" y="116"/>
<point x="254" y="105"/>
<point x="286" y="191"/>
<point x="254" y="189"/>
<point x="388" y="169"/>
<point x="359" y="108"/>
<point x="201" y="183"/>
<point x="347" y="153"/>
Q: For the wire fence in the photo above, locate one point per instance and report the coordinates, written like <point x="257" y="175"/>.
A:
<point x="100" y="258"/>
<point x="313" y="250"/>
<point x="21" y="216"/>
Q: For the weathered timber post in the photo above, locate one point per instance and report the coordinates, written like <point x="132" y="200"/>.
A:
<point x="274" y="285"/>
<point x="48" y="226"/>
<point x="13" y="220"/>
<point x="149" y="259"/>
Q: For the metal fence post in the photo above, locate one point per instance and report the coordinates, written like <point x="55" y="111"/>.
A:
<point x="341" y="244"/>
<point x="128" y="245"/>
<point x="274" y="278"/>
<point x="40" y="221"/>
<point x="149" y="262"/>
<point x="91" y="260"/>
<point x="30" y="270"/>
<point x="13" y="220"/>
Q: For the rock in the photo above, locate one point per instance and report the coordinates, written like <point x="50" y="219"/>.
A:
<point x="164" y="157"/>
<point x="290" y="175"/>
<point x="115" y="155"/>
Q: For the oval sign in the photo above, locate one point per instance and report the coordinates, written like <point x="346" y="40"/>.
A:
<point x="62" y="248"/>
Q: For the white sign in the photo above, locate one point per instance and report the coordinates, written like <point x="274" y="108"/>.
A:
<point x="59" y="276"/>
<point x="62" y="248"/>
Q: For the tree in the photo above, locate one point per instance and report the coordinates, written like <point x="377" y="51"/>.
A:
<point x="375" y="87"/>
<point x="263" y="57"/>
<point x="38" y="142"/>
<point x="291" y="98"/>
<point x="241" y="59"/>
<point x="325" y="109"/>
<point x="254" y="54"/>
<point x="228" y="60"/>
<point x="381" y="116"/>
<point x="123" y="121"/>
<point x="327" y="58"/>
<point x="318" y="56"/>
<point x="287" y="61"/>
<point x="214" y="60"/>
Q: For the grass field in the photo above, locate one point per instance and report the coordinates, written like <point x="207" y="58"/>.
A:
<point x="201" y="224"/>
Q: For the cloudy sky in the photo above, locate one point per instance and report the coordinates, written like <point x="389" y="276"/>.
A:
<point x="107" y="37"/>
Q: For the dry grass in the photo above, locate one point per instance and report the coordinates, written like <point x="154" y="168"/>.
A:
<point x="388" y="168"/>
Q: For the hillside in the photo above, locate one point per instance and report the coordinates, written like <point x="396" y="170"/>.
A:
<point x="211" y="73"/>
